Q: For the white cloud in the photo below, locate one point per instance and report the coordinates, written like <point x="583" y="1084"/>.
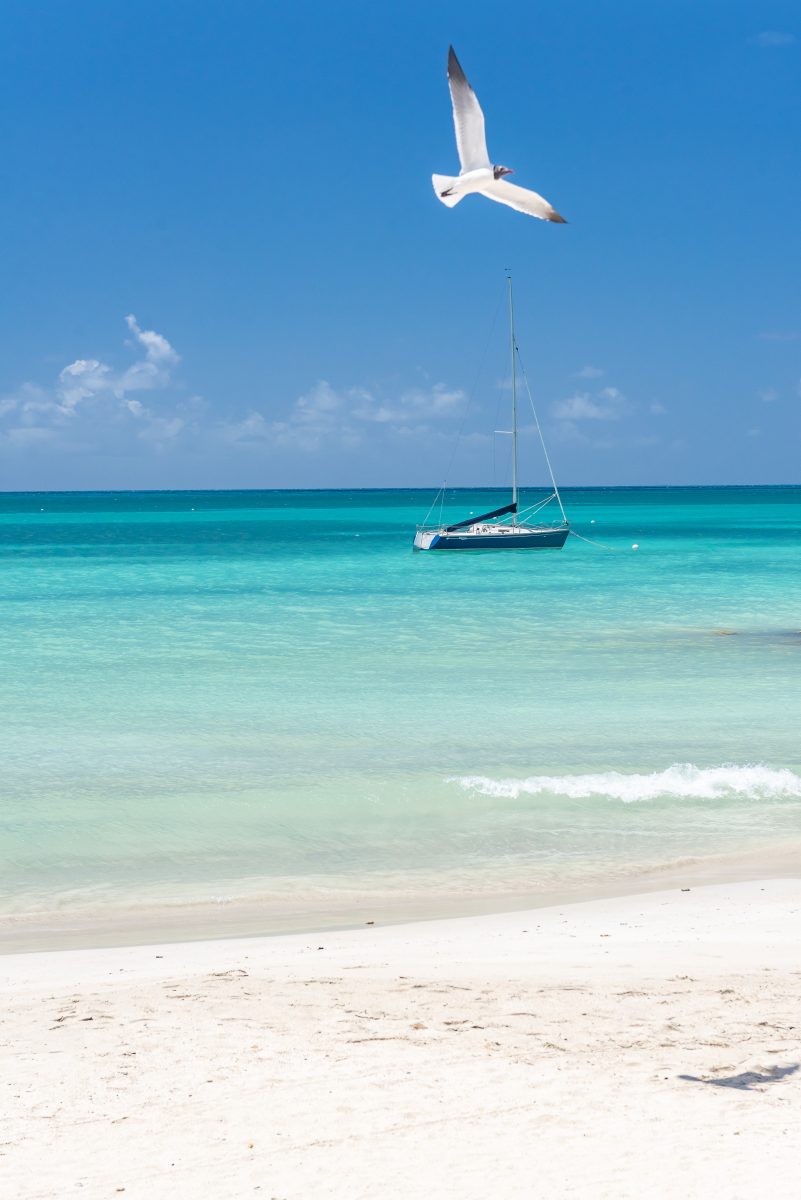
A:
<point x="90" y="391"/>
<point x="317" y="405"/>
<point x="163" y="429"/>
<point x="768" y="395"/>
<point x="82" y="380"/>
<point x="607" y="405"/>
<point x="94" y="403"/>
<point x="325" y="416"/>
<point x="414" y="405"/>
<point x="29" y="400"/>
<point x="8" y="404"/>
<point x="157" y="348"/>
<point x="316" y="419"/>
<point x="773" y="37"/>
<point x="251" y="430"/>
<point x="597" y="419"/>
<point x="780" y="335"/>
<point x="86" y="378"/>
<point x="589" y="373"/>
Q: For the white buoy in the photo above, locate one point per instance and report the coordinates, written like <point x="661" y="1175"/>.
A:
<point x="635" y="546"/>
<point x="592" y="522"/>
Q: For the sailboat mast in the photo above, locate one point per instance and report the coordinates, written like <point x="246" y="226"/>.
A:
<point x="514" y="396"/>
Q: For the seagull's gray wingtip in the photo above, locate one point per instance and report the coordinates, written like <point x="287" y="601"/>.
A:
<point x="454" y="66"/>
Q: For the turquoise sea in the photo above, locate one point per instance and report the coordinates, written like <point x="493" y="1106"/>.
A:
<point x="260" y="710"/>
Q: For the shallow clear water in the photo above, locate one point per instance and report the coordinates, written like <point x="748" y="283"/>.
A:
<point x="215" y="696"/>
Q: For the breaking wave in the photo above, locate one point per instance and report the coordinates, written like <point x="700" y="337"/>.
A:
<point x="683" y="780"/>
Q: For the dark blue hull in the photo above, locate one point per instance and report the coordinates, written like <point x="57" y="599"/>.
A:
<point x="538" y="539"/>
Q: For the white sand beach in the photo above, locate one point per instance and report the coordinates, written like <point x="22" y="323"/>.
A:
<point x="644" y="1046"/>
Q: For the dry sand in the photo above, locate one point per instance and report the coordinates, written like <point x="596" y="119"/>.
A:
<point x="646" y="1046"/>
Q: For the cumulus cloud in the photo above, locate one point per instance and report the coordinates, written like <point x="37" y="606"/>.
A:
<point x="316" y="419"/>
<point x="589" y="373"/>
<point x="81" y="380"/>
<point x="606" y="419"/>
<point x="251" y="430"/>
<point x="86" y="378"/>
<point x="88" y="390"/>
<point x="8" y="404"/>
<point x="157" y="349"/>
<point x="608" y="404"/>
<point x="412" y="406"/>
<point x="325" y="416"/>
<point x="94" y="403"/>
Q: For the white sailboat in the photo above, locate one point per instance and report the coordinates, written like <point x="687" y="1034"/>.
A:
<point x="488" y="531"/>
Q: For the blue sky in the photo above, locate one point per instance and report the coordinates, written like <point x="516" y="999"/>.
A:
<point x="224" y="265"/>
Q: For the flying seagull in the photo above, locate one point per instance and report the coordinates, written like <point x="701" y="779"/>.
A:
<point x="478" y="174"/>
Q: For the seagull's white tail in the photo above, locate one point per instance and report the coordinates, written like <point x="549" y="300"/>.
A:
<point x="442" y="183"/>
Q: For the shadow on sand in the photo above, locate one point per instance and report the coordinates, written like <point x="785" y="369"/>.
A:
<point x="747" y="1080"/>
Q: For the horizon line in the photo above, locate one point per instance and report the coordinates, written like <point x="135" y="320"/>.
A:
<point x="588" y="487"/>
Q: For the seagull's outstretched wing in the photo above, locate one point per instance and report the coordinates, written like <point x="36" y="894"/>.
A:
<point x="467" y="117"/>
<point x="522" y="199"/>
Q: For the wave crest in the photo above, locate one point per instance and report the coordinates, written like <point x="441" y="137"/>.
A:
<point x="683" y="780"/>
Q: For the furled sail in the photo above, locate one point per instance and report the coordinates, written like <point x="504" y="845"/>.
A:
<point x="497" y="512"/>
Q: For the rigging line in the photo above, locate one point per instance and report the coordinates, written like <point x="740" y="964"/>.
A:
<point x="542" y="439"/>
<point x="600" y="545"/>
<point x="534" y="508"/>
<point x="460" y="431"/>
<point x="500" y="389"/>
<point x="537" y="504"/>
<point x="432" y="506"/>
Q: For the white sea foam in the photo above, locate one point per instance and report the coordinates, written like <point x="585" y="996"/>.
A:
<point x="683" y="780"/>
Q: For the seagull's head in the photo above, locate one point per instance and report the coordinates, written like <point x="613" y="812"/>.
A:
<point x="499" y="172"/>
